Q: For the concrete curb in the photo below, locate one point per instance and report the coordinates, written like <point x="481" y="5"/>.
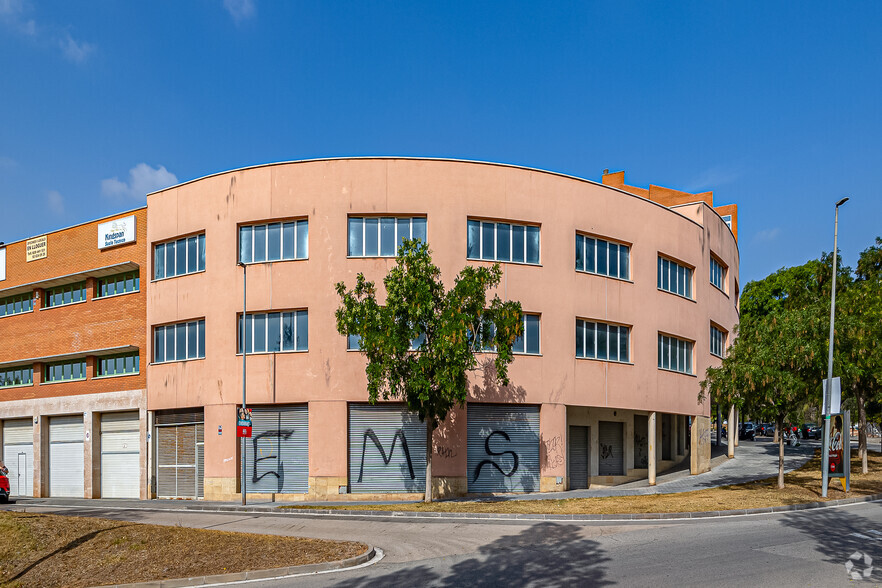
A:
<point x="578" y="517"/>
<point x="257" y="574"/>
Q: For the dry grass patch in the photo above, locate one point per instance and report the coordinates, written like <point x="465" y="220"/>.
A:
<point x="52" y="550"/>
<point x="801" y="486"/>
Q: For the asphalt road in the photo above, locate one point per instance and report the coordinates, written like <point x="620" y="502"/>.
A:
<point x="808" y="548"/>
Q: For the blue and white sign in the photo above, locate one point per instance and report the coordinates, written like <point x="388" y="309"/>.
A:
<point x="2" y="263"/>
<point x="116" y="232"/>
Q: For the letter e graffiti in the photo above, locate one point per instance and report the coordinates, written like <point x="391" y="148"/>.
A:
<point x="280" y="474"/>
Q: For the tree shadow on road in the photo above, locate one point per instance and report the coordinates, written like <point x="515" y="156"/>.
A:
<point x="546" y="554"/>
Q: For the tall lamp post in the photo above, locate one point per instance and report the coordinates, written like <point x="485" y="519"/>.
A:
<point x="244" y="353"/>
<point x="825" y="459"/>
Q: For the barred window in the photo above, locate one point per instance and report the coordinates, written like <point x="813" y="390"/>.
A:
<point x="17" y="304"/>
<point x="274" y="332"/>
<point x="508" y="242"/>
<point x="598" y="256"/>
<point x="603" y="341"/>
<point x="179" y="257"/>
<point x="119" y="284"/>
<point x="373" y="236"/>
<point x="674" y="354"/>
<point x="65" y="371"/>
<point x="67" y="294"/>
<point x="19" y="376"/>
<point x="119" y="365"/>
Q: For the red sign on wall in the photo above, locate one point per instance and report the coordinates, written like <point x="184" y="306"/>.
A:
<point x="243" y="431"/>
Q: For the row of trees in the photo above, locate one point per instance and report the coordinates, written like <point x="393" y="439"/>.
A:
<point x="776" y="365"/>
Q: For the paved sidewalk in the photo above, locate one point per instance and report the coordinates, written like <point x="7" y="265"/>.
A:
<point x="754" y="460"/>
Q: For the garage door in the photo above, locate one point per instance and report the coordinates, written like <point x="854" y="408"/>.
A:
<point x="611" y="461"/>
<point x="277" y="454"/>
<point x="179" y="454"/>
<point x="66" y="471"/>
<point x="666" y="436"/>
<point x="503" y="448"/>
<point x="641" y="441"/>
<point x="387" y="449"/>
<point x="120" y="456"/>
<point x="18" y="455"/>
<point x="578" y="457"/>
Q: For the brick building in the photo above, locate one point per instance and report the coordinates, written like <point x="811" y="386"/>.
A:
<point x="72" y="372"/>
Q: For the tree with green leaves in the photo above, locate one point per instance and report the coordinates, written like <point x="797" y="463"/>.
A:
<point x="421" y="341"/>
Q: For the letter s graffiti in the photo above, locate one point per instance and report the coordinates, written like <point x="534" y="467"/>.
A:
<point x="491" y="452"/>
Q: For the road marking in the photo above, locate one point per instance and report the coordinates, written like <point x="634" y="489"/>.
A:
<point x="861" y="536"/>
<point x="378" y="555"/>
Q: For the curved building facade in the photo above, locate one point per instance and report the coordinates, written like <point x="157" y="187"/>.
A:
<point x="628" y="294"/>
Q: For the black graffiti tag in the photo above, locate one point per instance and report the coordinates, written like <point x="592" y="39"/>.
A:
<point x="369" y="434"/>
<point x="606" y="451"/>
<point x="280" y="475"/>
<point x="491" y="452"/>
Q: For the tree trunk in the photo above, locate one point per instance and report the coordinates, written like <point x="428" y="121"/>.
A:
<point x="862" y="432"/>
<point x="780" y="426"/>
<point x="430" y="427"/>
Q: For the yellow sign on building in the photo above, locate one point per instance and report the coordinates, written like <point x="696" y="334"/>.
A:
<point x="36" y="248"/>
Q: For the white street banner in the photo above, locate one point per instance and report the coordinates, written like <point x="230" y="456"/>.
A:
<point x="836" y="399"/>
<point x="116" y="232"/>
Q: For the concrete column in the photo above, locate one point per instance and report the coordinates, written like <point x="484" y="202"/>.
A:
<point x="684" y="424"/>
<point x="651" y="441"/>
<point x="41" y="456"/>
<point x="552" y="448"/>
<point x="737" y="425"/>
<point x="700" y="450"/>
<point x="730" y="432"/>
<point x="91" y="455"/>
<point x="145" y="463"/>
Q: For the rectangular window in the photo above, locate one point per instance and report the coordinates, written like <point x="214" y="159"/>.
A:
<point x="728" y="220"/>
<point x="528" y="342"/>
<point x="674" y="278"/>
<point x="717" y="274"/>
<point x="67" y="294"/>
<point x="66" y="371"/>
<point x="17" y="304"/>
<point x="179" y="341"/>
<point x="674" y="354"/>
<point x="274" y="331"/>
<point x="18" y="376"/>
<point x="179" y="257"/>
<point x="274" y="242"/>
<point x="119" y="365"/>
<point x="119" y="284"/>
<point x="383" y="236"/>
<point x="717" y="341"/>
<point x="602" y="341"/>
<point x="605" y="258"/>
<point x="503" y="242"/>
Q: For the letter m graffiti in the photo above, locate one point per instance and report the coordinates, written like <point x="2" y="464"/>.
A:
<point x="399" y="434"/>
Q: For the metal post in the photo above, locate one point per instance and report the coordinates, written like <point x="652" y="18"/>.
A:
<point x="825" y="452"/>
<point x="244" y="353"/>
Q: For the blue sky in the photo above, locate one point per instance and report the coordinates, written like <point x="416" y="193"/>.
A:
<point x="774" y="106"/>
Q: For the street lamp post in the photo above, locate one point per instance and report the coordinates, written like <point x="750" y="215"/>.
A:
<point x="244" y="353"/>
<point x="825" y="459"/>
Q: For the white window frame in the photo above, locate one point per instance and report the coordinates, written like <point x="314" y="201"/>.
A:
<point x="718" y="341"/>
<point x="582" y="333"/>
<point x="482" y="223"/>
<point x="680" y="354"/>
<point x="298" y="255"/>
<point x="398" y="237"/>
<point x="684" y="287"/>
<point x="295" y="313"/>
<point x="200" y="345"/>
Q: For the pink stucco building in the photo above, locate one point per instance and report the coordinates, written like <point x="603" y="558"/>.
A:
<point x="629" y="295"/>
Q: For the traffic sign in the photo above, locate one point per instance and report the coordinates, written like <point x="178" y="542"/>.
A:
<point x="244" y="431"/>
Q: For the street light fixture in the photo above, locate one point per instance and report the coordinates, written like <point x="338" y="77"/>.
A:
<point x="825" y="459"/>
<point x="244" y="353"/>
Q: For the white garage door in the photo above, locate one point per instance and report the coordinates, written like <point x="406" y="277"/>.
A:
<point x="18" y="455"/>
<point x="66" y="471"/>
<point x="120" y="458"/>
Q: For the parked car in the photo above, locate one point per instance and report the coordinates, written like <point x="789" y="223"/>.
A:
<point x="4" y="488"/>
<point x="747" y="431"/>
<point x="766" y="429"/>
<point x="805" y="430"/>
<point x="815" y="432"/>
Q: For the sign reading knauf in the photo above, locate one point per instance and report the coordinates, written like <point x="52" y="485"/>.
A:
<point x="36" y="248"/>
<point x="116" y="232"/>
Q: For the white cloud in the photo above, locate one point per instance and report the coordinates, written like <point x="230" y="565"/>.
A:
<point x="11" y="7"/>
<point x="75" y="51"/>
<point x="143" y="179"/>
<point x="767" y="235"/>
<point x="55" y="202"/>
<point x="239" y="9"/>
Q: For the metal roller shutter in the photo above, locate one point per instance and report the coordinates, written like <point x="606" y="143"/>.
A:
<point x="179" y="446"/>
<point x="18" y="455"/>
<point x="578" y="457"/>
<point x="641" y="441"/>
<point x="277" y="454"/>
<point x="120" y="455"/>
<point x="503" y="448"/>
<point x="666" y="436"/>
<point x="387" y="449"/>
<point x="681" y="428"/>
<point x="66" y="469"/>
<point x="611" y="437"/>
